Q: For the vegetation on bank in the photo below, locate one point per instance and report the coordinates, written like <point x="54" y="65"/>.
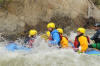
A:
<point x="96" y="2"/>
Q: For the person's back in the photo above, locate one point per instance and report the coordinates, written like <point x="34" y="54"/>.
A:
<point x="55" y="37"/>
<point x="64" y="42"/>
<point x="83" y="43"/>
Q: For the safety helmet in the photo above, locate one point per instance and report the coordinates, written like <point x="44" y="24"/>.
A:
<point x="51" y="25"/>
<point x="48" y="33"/>
<point x="60" y="30"/>
<point x="32" y="32"/>
<point x="97" y="24"/>
<point x="82" y="30"/>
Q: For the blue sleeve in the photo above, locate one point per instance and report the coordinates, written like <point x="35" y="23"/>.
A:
<point x="95" y="36"/>
<point x="56" y="39"/>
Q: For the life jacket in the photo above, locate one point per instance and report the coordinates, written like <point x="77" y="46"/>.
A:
<point x="88" y="39"/>
<point x="63" y="43"/>
<point x="30" y="42"/>
<point x="77" y="43"/>
<point x="60" y="36"/>
<point x="63" y="36"/>
<point x="50" y="38"/>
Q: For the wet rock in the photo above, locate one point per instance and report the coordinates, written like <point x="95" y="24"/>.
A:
<point x="37" y="13"/>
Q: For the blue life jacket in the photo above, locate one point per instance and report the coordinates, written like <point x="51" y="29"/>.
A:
<point x="55" y="37"/>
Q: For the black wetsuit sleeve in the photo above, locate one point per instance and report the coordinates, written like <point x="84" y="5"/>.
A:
<point x="78" y="45"/>
<point x="95" y="35"/>
<point x="78" y="42"/>
<point x="26" y="40"/>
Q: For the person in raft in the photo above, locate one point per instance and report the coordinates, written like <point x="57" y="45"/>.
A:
<point x="55" y="36"/>
<point x="96" y="37"/>
<point x="81" y="41"/>
<point x="31" y="38"/>
<point x="64" y="40"/>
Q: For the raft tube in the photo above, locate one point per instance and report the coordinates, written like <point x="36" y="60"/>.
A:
<point x="13" y="47"/>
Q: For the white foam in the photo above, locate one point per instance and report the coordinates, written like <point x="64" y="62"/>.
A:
<point x="42" y="55"/>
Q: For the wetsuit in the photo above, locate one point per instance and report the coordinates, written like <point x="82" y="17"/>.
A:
<point x="96" y="38"/>
<point x="29" y="41"/>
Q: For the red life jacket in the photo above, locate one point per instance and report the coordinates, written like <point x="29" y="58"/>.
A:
<point x="30" y="43"/>
<point x="61" y="37"/>
<point x="76" y="42"/>
<point x="50" y="38"/>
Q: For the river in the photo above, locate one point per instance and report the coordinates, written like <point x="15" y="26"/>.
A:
<point x="42" y="55"/>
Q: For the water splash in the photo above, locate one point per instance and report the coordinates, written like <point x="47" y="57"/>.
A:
<point x="42" y="55"/>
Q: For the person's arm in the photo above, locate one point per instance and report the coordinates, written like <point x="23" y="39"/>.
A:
<point x="95" y="36"/>
<point x="56" y="39"/>
<point x="26" y="40"/>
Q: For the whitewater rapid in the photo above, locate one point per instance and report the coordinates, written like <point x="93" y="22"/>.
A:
<point x="42" y="55"/>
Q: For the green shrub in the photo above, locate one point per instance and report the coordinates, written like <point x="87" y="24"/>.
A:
<point x="1" y="1"/>
<point x="98" y="2"/>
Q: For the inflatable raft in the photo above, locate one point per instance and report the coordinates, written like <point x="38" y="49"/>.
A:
<point x="13" y="47"/>
<point x="93" y="52"/>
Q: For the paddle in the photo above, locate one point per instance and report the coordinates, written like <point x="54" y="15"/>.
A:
<point x="71" y="44"/>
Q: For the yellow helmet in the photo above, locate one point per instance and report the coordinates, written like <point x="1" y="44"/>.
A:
<point x="48" y="33"/>
<point x="51" y="25"/>
<point x="32" y="32"/>
<point x="82" y="30"/>
<point x="60" y="30"/>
